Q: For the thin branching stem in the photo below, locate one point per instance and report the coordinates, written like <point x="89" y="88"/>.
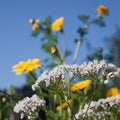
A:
<point x="76" y="51"/>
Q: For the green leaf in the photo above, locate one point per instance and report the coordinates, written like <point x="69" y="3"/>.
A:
<point x="12" y="90"/>
<point x="46" y="47"/>
<point x="52" y="65"/>
<point x="35" y="33"/>
<point x="82" y="31"/>
<point x="99" y="21"/>
<point x="47" y="21"/>
<point x="84" y="18"/>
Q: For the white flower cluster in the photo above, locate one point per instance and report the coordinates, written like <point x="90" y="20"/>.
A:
<point x="100" y="109"/>
<point x="62" y="72"/>
<point x="29" y="106"/>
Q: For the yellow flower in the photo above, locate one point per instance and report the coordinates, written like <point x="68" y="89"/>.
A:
<point x="117" y="101"/>
<point x="36" y="25"/>
<point x="102" y="10"/>
<point x="53" y="50"/>
<point x="113" y="92"/>
<point x="57" y="25"/>
<point x="64" y="105"/>
<point x="27" y="66"/>
<point x="81" y="85"/>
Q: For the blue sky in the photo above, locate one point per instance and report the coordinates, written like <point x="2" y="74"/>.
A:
<point x="17" y="43"/>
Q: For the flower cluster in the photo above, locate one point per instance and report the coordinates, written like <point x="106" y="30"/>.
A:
<point x="29" y="106"/>
<point x="62" y="72"/>
<point x="99" y="109"/>
<point x="27" y="66"/>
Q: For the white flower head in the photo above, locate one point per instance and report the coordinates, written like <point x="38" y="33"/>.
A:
<point x="92" y="110"/>
<point x="61" y="72"/>
<point x="29" y="106"/>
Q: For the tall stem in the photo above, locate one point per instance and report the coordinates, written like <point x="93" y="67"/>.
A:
<point x="76" y="51"/>
<point x="64" y="41"/>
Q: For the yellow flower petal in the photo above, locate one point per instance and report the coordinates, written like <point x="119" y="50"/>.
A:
<point x="117" y="101"/>
<point x="57" y="25"/>
<point x="35" y="27"/>
<point x="36" y="60"/>
<point x="81" y="85"/>
<point x="102" y="10"/>
<point x="113" y="92"/>
<point x="27" y="66"/>
<point x="63" y="106"/>
<point x="53" y="50"/>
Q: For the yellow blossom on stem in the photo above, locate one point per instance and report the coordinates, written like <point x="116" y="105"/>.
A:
<point x="36" y="24"/>
<point x="57" y="25"/>
<point x="53" y="50"/>
<point x="64" y="105"/>
<point x="81" y="85"/>
<point x="113" y="92"/>
<point x="35" y="27"/>
<point x="117" y="101"/>
<point x="27" y="66"/>
<point x="102" y="10"/>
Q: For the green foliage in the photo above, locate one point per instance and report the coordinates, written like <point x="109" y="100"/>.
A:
<point x="84" y="18"/>
<point x="12" y="90"/>
<point x="59" y="94"/>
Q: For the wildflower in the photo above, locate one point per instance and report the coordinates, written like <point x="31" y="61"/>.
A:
<point x="113" y="92"/>
<point x="102" y="10"/>
<point x="86" y="70"/>
<point x="80" y="85"/>
<point x="36" y="24"/>
<point x="57" y="25"/>
<point x="64" y="105"/>
<point x="27" y="66"/>
<point x="92" y="110"/>
<point x="29" y="106"/>
<point x="117" y="101"/>
<point x="53" y="50"/>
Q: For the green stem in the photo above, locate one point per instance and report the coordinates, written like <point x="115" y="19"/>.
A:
<point x="94" y="89"/>
<point x="31" y="76"/>
<point x="60" y="55"/>
<point x="71" y="112"/>
<point x="64" y="40"/>
<point x="66" y="96"/>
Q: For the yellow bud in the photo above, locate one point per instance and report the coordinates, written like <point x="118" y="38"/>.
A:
<point x="53" y="50"/>
<point x="102" y="10"/>
<point x="4" y="99"/>
<point x="117" y="101"/>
